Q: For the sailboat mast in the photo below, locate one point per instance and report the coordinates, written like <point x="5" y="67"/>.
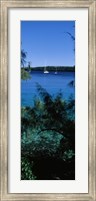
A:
<point x="45" y="70"/>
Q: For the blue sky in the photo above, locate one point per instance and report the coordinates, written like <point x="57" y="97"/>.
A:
<point x="47" y="43"/>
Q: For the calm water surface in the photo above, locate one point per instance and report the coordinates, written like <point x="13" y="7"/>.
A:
<point x="52" y="82"/>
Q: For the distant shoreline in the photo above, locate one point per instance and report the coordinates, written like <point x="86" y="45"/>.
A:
<point x="52" y="68"/>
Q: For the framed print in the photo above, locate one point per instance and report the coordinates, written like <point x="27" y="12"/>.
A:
<point x="48" y="139"/>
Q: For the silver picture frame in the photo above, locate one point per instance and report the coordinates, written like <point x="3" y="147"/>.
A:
<point x="4" y="6"/>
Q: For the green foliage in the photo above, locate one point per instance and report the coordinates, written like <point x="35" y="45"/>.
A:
<point x="24" y="74"/>
<point x="23" y="57"/>
<point x="26" y="170"/>
<point x="54" y="68"/>
<point x="43" y="143"/>
<point x="48" y="134"/>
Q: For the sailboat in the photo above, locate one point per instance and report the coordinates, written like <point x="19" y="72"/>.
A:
<point x="56" y="71"/>
<point x="45" y="70"/>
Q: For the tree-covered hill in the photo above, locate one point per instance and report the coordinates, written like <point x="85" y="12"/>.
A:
<point x="53" y="68"/>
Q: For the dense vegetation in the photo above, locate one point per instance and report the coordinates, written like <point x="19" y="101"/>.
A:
<point x="23" y="58"/>
<point x="48" y="138"/>
<point x="53" y="68"/>
<point x="24" y="74"/>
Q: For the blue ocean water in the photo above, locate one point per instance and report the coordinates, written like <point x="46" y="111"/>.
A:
<point x="52" y="82"/>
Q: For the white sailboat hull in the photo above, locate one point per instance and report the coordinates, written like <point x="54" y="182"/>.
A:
<point x="46" y="72"/>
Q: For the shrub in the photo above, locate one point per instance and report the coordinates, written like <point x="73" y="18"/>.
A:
<point x="48" y="134"/>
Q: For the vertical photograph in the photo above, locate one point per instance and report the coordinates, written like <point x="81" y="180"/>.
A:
<point x="47" y="69"/>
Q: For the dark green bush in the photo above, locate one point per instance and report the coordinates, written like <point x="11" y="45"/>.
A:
<point x="25" y="75"/>
<point x="26" y="170"/>
<point x="48" y="134"/>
